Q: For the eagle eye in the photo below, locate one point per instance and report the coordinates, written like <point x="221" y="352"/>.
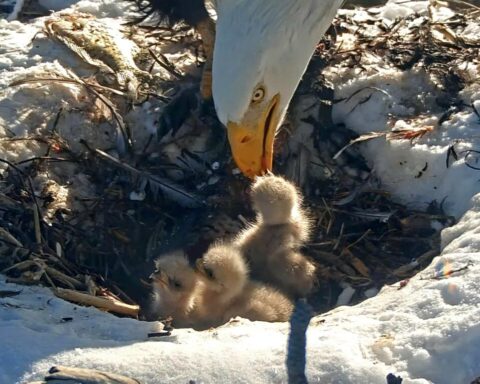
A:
<point x="258" y="94"/>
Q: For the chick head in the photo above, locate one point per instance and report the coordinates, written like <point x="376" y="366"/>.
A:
<point x="173" y="276"/>
<point x="275" y="199"/>
<point x="223" y="269"/>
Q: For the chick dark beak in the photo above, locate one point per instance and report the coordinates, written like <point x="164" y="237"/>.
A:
<point x="198" y="267"/>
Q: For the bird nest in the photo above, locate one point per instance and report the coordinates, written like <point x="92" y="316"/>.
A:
<point x="178" y="187"/>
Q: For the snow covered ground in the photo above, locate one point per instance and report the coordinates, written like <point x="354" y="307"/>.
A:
<point x="426" y="331"/>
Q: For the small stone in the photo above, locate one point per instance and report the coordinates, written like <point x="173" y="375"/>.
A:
<point x="213" y="180"/>
<point x="137" y="196"/>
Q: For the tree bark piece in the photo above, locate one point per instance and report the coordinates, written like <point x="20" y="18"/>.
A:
<point x="67" y="375"/>
<point x="106" y="304"/>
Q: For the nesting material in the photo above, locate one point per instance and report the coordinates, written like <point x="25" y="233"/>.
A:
<point x="101" y="47"/>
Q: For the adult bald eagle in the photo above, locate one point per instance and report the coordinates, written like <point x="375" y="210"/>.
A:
<point x="261" y="50"/>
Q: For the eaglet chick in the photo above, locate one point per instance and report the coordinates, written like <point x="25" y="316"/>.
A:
<point x="271" y="244"/>
<point x="176" y="290"/>
<point x="228" y="292"/>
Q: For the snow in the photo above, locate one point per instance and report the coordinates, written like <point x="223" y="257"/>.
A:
<point x="425" y="330"/>
<point x="378" y="97"/>
<point x="437" y="181"/>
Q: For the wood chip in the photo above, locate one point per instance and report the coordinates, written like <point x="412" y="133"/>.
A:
<point x="62" y="375"/>
<point x="110" y="304"/>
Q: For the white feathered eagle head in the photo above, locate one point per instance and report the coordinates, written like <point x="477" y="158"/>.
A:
<point x="262" y="49"/>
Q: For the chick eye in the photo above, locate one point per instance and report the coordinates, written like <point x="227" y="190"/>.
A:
<point x="176" y="284"/>
<point x="258" y="95"/>
<point x="208" y="272"/>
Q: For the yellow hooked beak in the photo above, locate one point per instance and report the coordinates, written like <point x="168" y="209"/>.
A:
<point x="251" y="140"/>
